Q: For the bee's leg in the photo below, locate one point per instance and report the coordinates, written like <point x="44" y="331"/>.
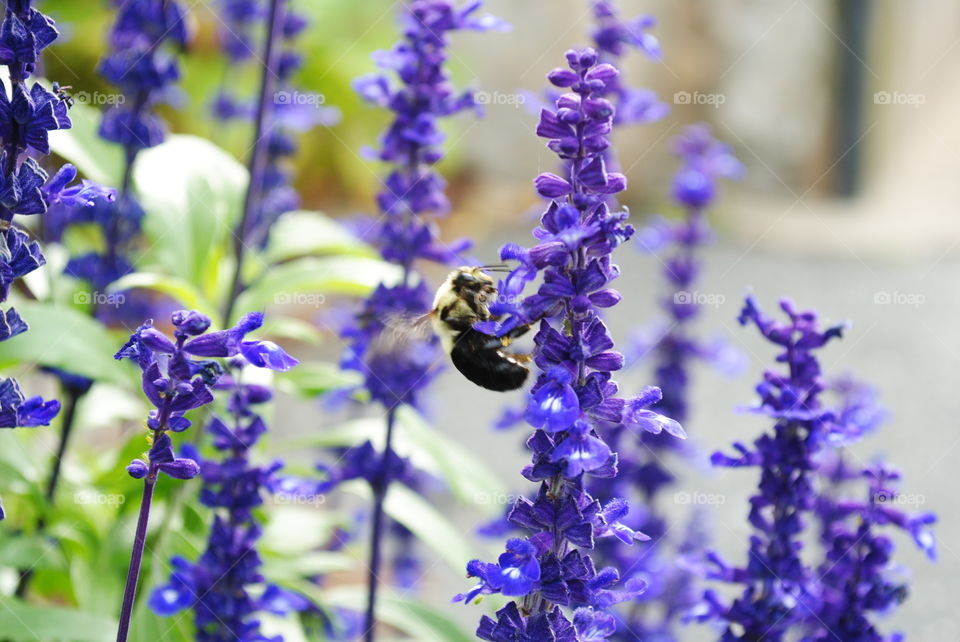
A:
<point x="515" y="333"/>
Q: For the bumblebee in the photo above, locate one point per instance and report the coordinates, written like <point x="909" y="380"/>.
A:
<point x="463" y="300"/>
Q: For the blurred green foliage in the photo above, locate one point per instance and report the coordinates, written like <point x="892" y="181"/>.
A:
<point x="330" y="173"/>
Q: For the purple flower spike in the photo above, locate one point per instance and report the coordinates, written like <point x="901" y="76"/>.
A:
<point x="414" y="84"/>
<point x="218" y="586"/>
<point x="574" y="402"/>
<point x="838" y="598"/>
<point x="175" y="382"/>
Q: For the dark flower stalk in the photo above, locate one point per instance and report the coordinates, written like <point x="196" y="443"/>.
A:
<point x="217" y="586"/>
<point x="257" y="161"/>
<point x="74" y="387"/>
<point x="776" y="580"/>
<point x="413" y="191"/>
<point x="27" y="115"/>
<point x="176" y="381"/>
<point x="292" y="111"/>
<point x="574" y="396"/>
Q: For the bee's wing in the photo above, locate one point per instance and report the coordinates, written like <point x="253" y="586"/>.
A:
<point x="401" y="330"/>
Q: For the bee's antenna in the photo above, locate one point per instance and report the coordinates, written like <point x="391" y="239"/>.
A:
<point x="496" y="267"/>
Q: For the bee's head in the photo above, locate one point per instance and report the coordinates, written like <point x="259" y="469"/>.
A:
<point x="471" y="285"/>
<point x="471" y="278"/>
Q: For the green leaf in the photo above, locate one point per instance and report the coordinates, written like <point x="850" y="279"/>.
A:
<point x="147" y="626"/>
<point x="413" y="617"/>
<point x="309" y="280"/>
<point x="307" y="565"/>
<point x="184" y="292"/>
<point x="315" y="378"/>
<point x="192" y="192"/>
<point x="304" y="233"/>
<point x="468" y="478"/>
<point x="29" y="551"/>
<point x="297" y="530"/>
<point x="429" y="525"/>
<point x="65" y="338"/>
<point x="465" y="474"/>
<point x="26" y="623"/>
<point x="99" y="160"/>
<point x="291" y="328"/>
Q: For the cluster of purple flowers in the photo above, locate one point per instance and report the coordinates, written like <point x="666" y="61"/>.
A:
<point x="142" y="64"/>
<point x="612" y="37"/>
<point x="857" y="579"/>
<point x="412" y="191"/>
<point x="293" y="111"/>
<point x="703" y="161"/>
<point x="413" y="195"/>
<point x="217" y="587"/>
<point x="775" y="578"/>
<point x="643" y="464"/>
<point x="27" y="114"/>
<point x="574" y="397"/>
<point x="179" y="375"/>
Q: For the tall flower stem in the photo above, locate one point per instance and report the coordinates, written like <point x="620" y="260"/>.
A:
<point x="69" y="414"/>
<point x="136" y="556"/>
<point x="380" y="487"/>
<point x="258" y="155"/>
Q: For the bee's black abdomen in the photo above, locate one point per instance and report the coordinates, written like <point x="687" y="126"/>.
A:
<point x="479" y="358"/>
